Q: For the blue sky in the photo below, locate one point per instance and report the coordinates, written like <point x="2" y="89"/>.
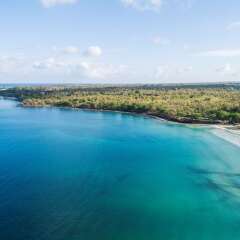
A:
<point x="119" y="41"/>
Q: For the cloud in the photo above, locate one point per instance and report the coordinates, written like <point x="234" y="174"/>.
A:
<point x="48" y="64"/>
<point x="156" y="5"/>
<point x="227" y="69"/>
<point x="61" y="67"/>
<point x="100" y="71"/>
<point x="53" y="3"/>
<point x="80" y="68"/>
<point x="93" y="51"/>
<point x="66" y="50"/>
<point x="162" y="71"/>
<point x="166" y="71"/>
<point x="45" y="64"/>
<point x="71" y="50"/>
<point x="161" y="41"/>
<point x="220" y="53"/>
<point x="143" y="5"/>
<point x="9" y="64"/>
<point x="233" y="26"/>
<point x="185" y="69"/>
<point x="186" y="4"/>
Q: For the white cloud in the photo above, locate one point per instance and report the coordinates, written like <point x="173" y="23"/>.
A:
<point x="9" y="64"/>
<point x="48" y="64"/>
<point x="186" y="4"/>
<point x="93" y="51"/>
<point x="162" y="71"/>
<point x="95" y="71"/>
<point x="160" y="41"/>
<point x="220" y="53"/>
<point x="227" y="69"/>
<point x="185" y="69"/>
<point x="71" y="50"/>
<point x="143" y="5"/>
<point x="44" y="64"/>
<point x="167" y="72"/>
<point x="156" y="5"/>
<point x="233" y="26"/>
<point x="100" y="71"/>
<point x="53" y="3"/>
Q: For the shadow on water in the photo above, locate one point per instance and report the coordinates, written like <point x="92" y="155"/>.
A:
<point x="226" y="184"/>
<point x="207" y="172"/>
<point x="118" y="181"/>
<point x="122" y="177"/>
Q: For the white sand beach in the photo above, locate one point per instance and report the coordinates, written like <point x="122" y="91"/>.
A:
<point x="228" y="133"/>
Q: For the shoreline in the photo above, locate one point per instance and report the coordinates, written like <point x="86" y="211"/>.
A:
<point x="163" y="117"/>
<point x="210" y="124"/>
<point x="227" y="132"/>
<point x="184" y="121"/>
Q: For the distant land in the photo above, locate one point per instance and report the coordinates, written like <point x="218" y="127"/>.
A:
<point x="235" y="85"/>
<point x="215" y="103"/>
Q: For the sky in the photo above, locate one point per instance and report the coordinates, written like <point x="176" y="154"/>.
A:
<point x="119" y="41"/>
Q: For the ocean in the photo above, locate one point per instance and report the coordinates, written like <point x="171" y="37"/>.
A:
<point x="87" y="175"/>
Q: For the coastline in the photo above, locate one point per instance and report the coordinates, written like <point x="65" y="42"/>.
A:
<point x="227" y="132"/>
<point x="230" y="134"/>
<point x="149" y="114"/>
<point x="185" y="121"/>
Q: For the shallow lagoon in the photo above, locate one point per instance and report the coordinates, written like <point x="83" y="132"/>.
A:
<point x="85" y="175"/>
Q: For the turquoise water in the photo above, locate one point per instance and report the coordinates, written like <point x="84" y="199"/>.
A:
<point x="84" y="175"/>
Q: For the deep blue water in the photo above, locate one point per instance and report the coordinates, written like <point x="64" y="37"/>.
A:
<point x="85" y="175"/>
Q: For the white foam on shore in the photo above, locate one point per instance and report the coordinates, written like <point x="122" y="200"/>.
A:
<point x="232" y="136"/>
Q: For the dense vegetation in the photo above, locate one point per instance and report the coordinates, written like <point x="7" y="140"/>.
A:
<point x="182" y="104"/>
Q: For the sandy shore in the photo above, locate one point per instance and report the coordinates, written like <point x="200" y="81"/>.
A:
<point x="230" y="133"/>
